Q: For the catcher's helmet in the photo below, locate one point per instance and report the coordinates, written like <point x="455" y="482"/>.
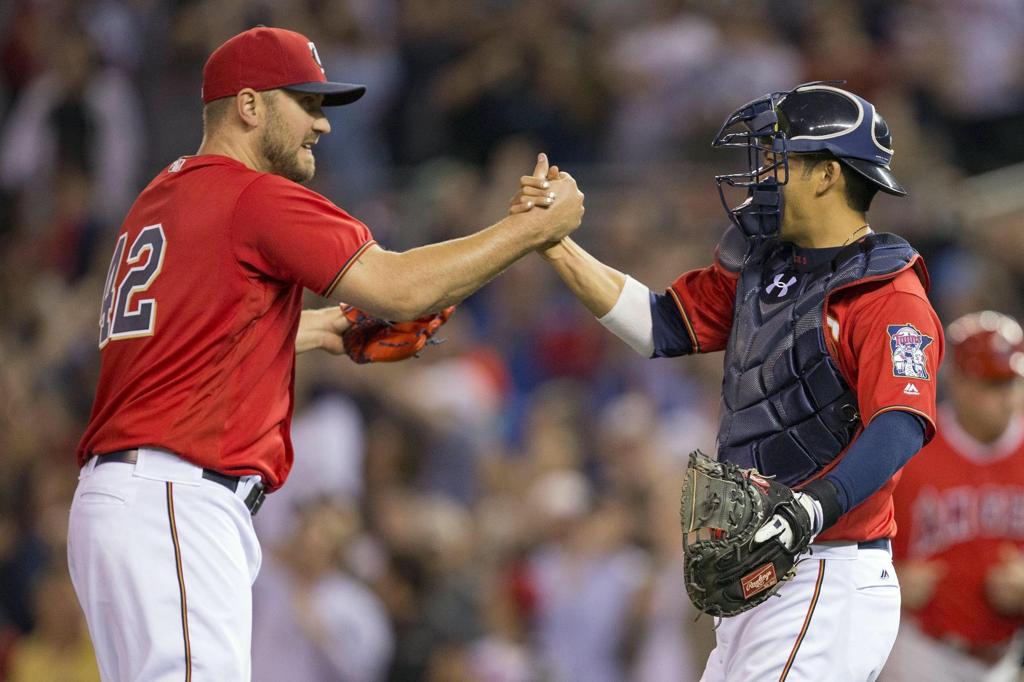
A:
<point x="988" y="345"/>
<point x="813" y="117"/>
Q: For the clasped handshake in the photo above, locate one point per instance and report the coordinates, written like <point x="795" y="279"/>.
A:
<point x="367" y="338"/>
<point x="554" y="191"/>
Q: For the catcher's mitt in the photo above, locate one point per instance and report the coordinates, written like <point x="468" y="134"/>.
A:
<point x="722" y="508"/>
<point x="371" y="339"/>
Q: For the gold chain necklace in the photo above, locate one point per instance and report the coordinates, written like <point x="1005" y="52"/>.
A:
<point x="865" y="226"/>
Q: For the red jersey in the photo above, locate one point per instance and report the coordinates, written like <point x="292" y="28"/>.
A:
<point x="200" y="311"/>
<point x="865" y="322"/>
<point x="958" y="501"/>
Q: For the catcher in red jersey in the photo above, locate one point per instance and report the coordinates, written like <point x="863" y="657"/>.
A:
<point x="960" y="510"/>
<point x="831" y="351"/>
<point x="200" y="322"/>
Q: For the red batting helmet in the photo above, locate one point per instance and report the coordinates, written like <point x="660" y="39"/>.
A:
<point x="988" y="345"/>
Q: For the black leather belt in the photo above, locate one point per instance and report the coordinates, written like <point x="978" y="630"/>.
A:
<point x="253" y="501"/>
<point x="879" y="543"/>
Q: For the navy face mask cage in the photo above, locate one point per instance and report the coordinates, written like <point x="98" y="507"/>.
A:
<point x="755" y="128"/>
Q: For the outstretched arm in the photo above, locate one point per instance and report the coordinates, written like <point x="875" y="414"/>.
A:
<point x="598" y="286"/>
<point x="618" y="301"/>
<point x="404" y="286"/>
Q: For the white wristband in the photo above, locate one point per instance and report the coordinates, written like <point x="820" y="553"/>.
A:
<point x="630" y="317"/>
<point x="814" y="510"/>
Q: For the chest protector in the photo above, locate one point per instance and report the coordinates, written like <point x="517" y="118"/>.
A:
<point x="786" y="410"/>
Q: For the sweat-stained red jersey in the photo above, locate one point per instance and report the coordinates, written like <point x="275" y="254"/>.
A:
<point x="200" y="311"/>
<point x="957" y="503"/>
<point x="869" y="325"/>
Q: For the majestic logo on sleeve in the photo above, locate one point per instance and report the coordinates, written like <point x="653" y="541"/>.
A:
<point x="907" y="346"/>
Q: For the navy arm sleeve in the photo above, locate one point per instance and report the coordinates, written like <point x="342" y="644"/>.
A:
<point x="889" y="441"/>
<point x="670" y="336"/>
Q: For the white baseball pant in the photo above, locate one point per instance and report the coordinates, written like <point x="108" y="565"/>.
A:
<point x="163" y="563"/>
<point x="836" y="620"/>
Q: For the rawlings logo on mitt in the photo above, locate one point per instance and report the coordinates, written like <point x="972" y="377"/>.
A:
<point x="726" y="570"/>
<point x="371" y="339"/>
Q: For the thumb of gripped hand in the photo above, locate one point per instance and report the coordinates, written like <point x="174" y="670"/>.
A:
<point x="541" y="169"/>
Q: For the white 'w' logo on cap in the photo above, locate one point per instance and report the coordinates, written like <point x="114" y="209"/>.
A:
<point x="316" y="57"/>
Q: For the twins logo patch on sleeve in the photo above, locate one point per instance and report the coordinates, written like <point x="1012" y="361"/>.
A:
<point x="907" y="345"/>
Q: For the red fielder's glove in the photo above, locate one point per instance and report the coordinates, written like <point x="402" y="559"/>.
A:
<point x="371" y="339"/>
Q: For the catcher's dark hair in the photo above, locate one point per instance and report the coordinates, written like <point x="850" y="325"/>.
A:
<point x="859" y="190"/>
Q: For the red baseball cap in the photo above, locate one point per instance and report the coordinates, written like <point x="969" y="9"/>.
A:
<point x="988" y="345"/>
<point x="265" y="58"/>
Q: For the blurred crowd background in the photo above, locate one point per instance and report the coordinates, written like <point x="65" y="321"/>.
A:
<point x="505" y="507"/>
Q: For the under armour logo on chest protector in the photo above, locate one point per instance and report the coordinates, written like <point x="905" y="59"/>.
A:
<point x="782" y="286"/>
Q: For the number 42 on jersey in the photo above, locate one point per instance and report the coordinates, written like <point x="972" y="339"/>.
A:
<point x="123" y="315"/>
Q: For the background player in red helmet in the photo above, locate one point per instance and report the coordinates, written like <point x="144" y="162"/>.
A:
<point x="960" y="511"/>
<point x="831" y="350"/>
<point x="200" y="321"/>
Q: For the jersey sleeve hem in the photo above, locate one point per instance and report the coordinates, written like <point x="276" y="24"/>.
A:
<point x="686" y="321"/>
<point x="344" y="268"/>
<point x="929" y="432"/>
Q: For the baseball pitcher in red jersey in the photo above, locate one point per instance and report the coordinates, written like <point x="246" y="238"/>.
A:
<point x="831" y="350"/>
<point x="960" y="511"/>
<point x="199" y="326"/>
